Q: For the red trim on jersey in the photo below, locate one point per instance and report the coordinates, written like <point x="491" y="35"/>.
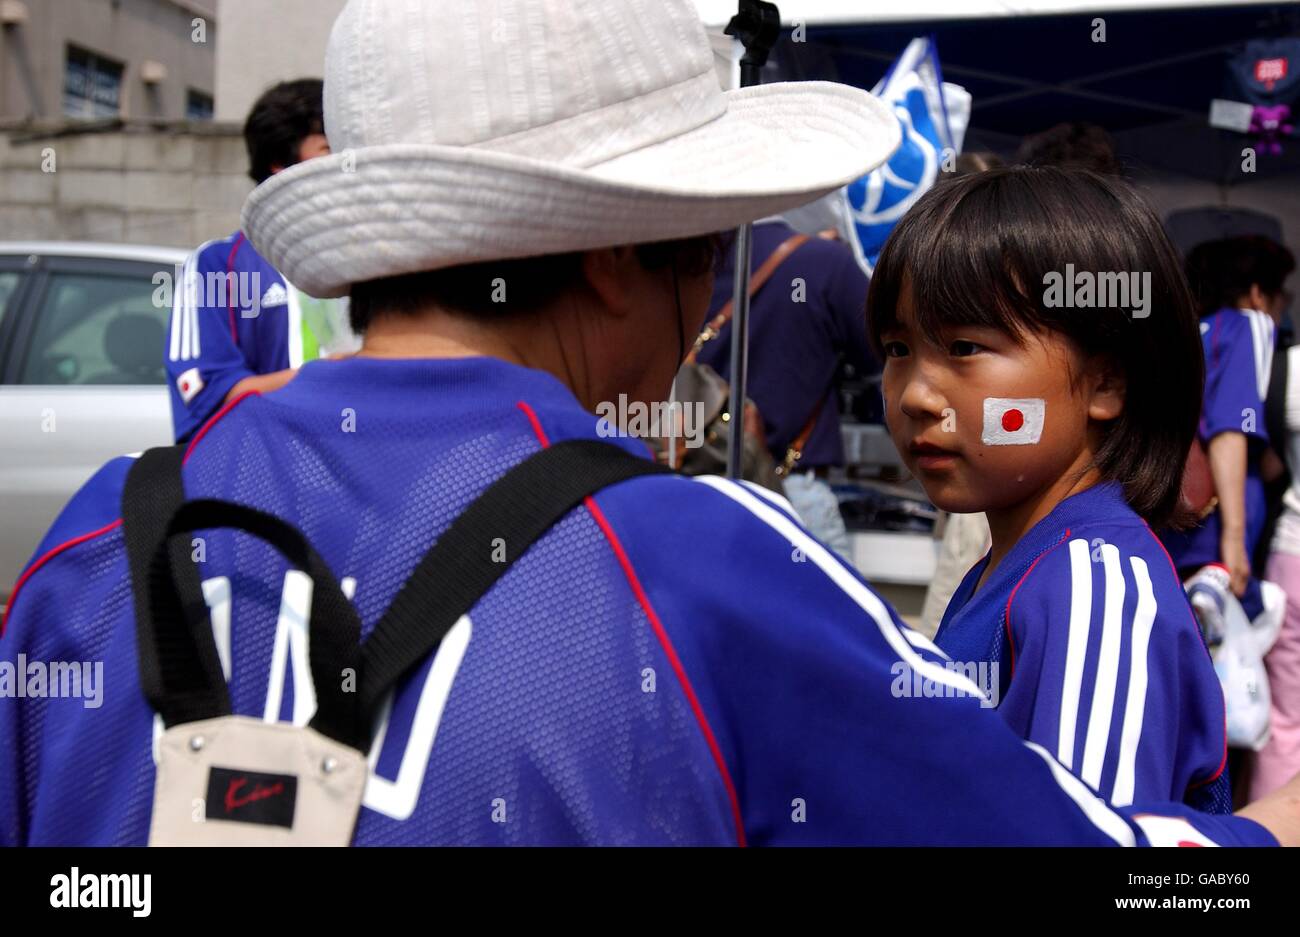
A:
<point x="103" y="530"/>
<point x="213" y="419"/>
<point x="230" y="290"/>
<point x="660" y="633"/>
<point x="51" y="554"/>
<point x="1006" y="619"/>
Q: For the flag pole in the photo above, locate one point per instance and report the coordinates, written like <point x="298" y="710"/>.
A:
<point x="756" y="25"/>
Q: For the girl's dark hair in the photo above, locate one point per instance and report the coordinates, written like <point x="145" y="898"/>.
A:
<point x="281" y="119"/>
<point x="530" y="283"/>
<point x="1222" y="272"/>
<point x="978" y="250"/>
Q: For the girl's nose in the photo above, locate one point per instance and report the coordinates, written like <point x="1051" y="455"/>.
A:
<point x="920" y="398"/>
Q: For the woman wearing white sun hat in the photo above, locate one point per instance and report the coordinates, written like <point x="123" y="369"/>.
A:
<point x="520" y="206"/>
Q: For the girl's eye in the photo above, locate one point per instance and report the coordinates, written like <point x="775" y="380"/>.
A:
<point x="895" y="350"/>
<point x="963" y="349"/>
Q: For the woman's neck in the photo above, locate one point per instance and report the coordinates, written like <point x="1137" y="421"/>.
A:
<point x="543" y="342"/>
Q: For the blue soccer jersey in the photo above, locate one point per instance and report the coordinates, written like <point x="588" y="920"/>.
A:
<point x="233" y="316"/>
<point x="676" y="661"/>
<point x="1098" y="655"/>
<point x="1238" y="345"/>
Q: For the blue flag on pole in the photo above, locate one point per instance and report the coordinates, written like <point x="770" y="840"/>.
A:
<point x="933" y="117"/>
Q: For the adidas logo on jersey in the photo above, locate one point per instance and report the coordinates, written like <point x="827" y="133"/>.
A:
<point x="277" y="295"/>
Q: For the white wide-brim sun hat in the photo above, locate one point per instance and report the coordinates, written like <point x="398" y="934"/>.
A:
<point x="466" y="132"/>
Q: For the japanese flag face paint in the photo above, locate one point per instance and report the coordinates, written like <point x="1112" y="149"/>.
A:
<point x="1013" y="421"/>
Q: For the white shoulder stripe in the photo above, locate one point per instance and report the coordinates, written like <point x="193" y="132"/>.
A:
<point x="921" y="641"/>
<point x="1093" y="807"/>
<point x="1135" y="707"/>
<point x="1076" y="648"/>
<point x="194" y="328"/>
<point x="1103" y="691"/>
<point x="187" y="307"/>
<point x="178" y="305"/>
<point x="184" y="338"/>
<point x="771" y="497"/>
<point x="848" y="583"/>
<point x="1261" y="335"/>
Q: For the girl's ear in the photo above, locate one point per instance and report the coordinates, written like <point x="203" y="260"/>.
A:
<point x="1107" y="401"/>
<point x="1257" y="299"/>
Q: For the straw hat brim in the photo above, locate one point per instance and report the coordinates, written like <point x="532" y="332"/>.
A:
<point x="402" y="208"/>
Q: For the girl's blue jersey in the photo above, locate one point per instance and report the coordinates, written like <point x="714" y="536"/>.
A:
<point x="1098" y="654"/>
<point x="677" y="661"/>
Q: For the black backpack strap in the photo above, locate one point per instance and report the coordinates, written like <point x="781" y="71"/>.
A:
<point x="180" y="671"/>
<point x="459" y="569"/>
<point x="334" y="646"/>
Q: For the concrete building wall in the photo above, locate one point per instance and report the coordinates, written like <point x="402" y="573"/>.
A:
<point x="258" y="48"/>
<point x="176" y="187"/>
<point x="129" y="32"/>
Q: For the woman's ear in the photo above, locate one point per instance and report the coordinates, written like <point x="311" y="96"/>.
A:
<point x="1107" y="402"/>
<point x="612" y="273"/>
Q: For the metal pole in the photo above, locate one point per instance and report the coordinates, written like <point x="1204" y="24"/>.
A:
<point x="757" y="24"/>
<point x="739" y="350"/>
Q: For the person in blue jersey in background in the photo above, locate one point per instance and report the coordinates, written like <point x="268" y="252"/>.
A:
<point x="237" y="325"/>
<point x="1010" y="392"/>
<point x="514" y="261"/>
<point x="1239" y="283"/>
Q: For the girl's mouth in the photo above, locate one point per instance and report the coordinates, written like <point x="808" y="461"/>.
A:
<point x="930" y="457"/>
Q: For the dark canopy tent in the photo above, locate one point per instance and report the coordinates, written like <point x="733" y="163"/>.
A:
<point x="1150" y="83"/>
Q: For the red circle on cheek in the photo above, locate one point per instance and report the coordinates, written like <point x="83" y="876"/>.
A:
<point x="1012" y="420"/>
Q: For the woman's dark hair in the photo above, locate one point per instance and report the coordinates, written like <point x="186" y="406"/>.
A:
<point x="1222" y="272"/>
<point x="498" y="288"/>
<point x="978" y="251"/>
<point x="281" y="119"/>
<point x="1072" y="145"/>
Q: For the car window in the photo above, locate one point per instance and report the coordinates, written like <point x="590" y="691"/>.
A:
<point x="94" y="328"/>
<point x="9" y="281"/>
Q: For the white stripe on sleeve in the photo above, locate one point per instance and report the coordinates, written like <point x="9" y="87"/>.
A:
<point x="1103" y="692"/>
<point x="1135" y="706"/>
<point x="187" y="307"/>
<point x="1093" y="807"/>
<point x="178" y="305"/>
<point x="848" y="583"/>
<point x="194" y="320"/>
<point x="1076" y="648"/>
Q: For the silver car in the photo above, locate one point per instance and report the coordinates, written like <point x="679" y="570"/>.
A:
<point x="81" y="375"/>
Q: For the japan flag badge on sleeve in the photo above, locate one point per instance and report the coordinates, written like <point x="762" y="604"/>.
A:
<point x="189" y="384"/>
<point x="1013" y="421"/>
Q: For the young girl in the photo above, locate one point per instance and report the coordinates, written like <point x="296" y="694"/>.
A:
<point x="1043" y="365"/>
